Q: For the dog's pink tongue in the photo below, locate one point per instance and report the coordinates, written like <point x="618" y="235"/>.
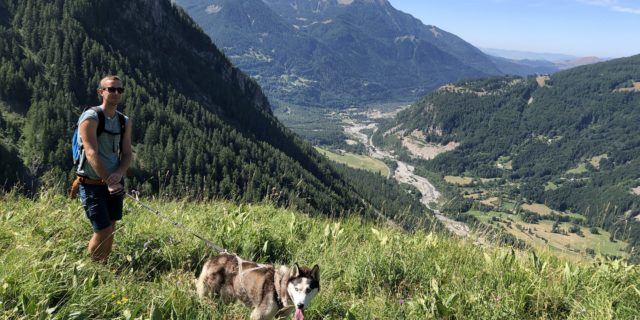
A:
<point x="299" y="314"/>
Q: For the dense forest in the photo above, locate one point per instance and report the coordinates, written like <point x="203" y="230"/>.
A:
<point x="202" y="129"/>
<point x="569" y="141"/>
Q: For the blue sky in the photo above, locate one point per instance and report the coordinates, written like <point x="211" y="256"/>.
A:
<point x="603" y="28"/>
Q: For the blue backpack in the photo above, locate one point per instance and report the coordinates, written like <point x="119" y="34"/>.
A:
<point x="78" y="151"/>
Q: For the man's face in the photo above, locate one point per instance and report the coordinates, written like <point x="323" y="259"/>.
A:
<point x="111" y="91"/>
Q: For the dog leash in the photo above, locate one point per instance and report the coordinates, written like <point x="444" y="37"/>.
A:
<point x="175" y="223"/>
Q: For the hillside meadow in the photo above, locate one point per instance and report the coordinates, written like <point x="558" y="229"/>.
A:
<point x="368" y="270"/>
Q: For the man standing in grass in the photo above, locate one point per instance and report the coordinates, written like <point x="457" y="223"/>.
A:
<point x="105" y="137"/>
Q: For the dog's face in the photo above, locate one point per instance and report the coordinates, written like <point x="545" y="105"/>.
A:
<point x="303" y="285"/>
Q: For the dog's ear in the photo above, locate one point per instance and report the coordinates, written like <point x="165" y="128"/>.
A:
<point x="315" y="273"/>
<point x="294" y="272"/>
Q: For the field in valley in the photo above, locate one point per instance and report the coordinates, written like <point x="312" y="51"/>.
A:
<point x="357" y="161"/>
<point x="539" y="236"/>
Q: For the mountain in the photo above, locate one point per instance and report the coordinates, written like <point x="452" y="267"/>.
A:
<point x="569" y="140"/>
<point x="526" y="55"/>
<point x="526" y="63"/>
<point x="202" y="129"/>
<point x="567" y="64"/>
<point x="337" y="53"/>
<point x="524" y="67"/>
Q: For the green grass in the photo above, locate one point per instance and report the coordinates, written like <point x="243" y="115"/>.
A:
<point x="581" y="168"/>
<point x="595" y="161"/>
<point x="538" y="208"/>
<point x="505" y="162"/>
<point x="462" y="181"/>
<point x="550" y="186"/>
<point x="507" y="205"/>
<point x="368" y="270"/>
<point x="357" y="161"/>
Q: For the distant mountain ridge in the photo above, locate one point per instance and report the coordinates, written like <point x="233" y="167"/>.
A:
<point x="527" y="55"/>
<point x="526" y="62"/>
<point x="524" y="67"/>
<point x="339" y="52"/>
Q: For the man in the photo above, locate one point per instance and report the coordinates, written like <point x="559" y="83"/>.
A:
<point x="107" y="157"/>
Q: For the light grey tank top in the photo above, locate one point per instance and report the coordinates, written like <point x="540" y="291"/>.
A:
<point x="108" y="144"/>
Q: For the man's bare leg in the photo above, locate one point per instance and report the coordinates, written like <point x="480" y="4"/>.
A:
<point x="101" y="243"/>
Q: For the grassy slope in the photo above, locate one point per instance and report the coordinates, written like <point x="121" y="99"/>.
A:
<point x="368" y="271"/>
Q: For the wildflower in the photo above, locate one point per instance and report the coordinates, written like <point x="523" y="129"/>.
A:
<point x="401" y="301"/>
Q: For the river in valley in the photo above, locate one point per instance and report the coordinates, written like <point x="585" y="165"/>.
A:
<point x="404" y="172"/>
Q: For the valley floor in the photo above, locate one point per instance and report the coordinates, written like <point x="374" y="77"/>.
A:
<point x="404" y="172"/>
<point x="360" y="125"/>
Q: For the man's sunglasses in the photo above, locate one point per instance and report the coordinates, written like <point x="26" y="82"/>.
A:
<point x="114" y="89"/>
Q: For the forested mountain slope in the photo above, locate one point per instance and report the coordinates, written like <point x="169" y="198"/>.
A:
<point x="201" y="128"/>
<point x="337" y="53"/>
<point x="570" y="141"/>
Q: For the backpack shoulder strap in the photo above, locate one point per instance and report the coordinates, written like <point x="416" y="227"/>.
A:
<point x="123" y="125"/>
<point x="100" y="113"/>
<point x="123" y="122"/>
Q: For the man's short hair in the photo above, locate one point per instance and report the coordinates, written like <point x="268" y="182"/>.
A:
<point x="109" y="77"/>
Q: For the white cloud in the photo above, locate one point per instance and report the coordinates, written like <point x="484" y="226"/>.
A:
<point x="614" y="5"/>
<point x="625" y="9"/>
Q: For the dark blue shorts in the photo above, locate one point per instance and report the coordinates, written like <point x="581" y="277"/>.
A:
<point x="100" y="207"/>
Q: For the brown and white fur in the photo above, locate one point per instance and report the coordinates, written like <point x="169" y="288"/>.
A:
<point x="271" y="292"/>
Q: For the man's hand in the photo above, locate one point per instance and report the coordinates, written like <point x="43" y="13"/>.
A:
<point x="114" y="178"/>
<point x="116" y="189"/>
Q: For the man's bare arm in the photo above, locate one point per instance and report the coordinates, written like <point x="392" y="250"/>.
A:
<point x="88" y="131"/>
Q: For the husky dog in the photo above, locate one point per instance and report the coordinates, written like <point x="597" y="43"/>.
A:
<point x="271" y="292"/>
